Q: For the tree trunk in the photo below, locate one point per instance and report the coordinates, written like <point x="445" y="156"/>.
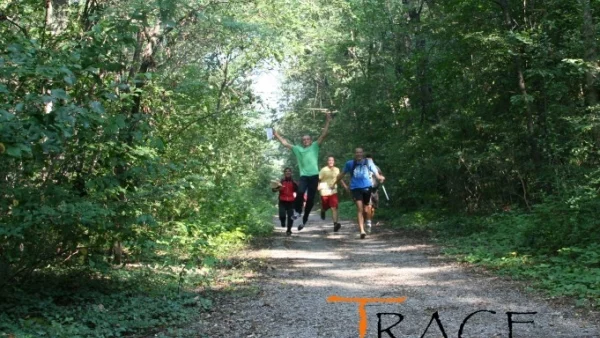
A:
<point x="420" y="52"/>
<point x="518" y="64"/>
<point x="591" y="54"/>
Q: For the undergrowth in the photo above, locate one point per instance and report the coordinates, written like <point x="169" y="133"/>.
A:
<point x="347" y="210"/>
<point x="120" y="303"/>
<point x="151" y="296"/>
<point x="551" y="249"/>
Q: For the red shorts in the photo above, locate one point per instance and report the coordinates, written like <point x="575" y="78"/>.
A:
<point x="328" y="202"/>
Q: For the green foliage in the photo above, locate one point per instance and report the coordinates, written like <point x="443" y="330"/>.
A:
<point x="433" y="90"/>
<point x="514" y="243"/>
<point x="125" y="303"/>
<point x="129" y="140"/>
<point x="130" y="134"/>
<point x="471" y="109"/>
<point x="347" y="210"/>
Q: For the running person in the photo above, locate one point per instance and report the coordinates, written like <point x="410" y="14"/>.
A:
<point x="328" y="191"/>
<point x="374" y="191"/>
<point x="360" y="186"/>
<point x="286" y="199"/>
<point x="307" y="156"/>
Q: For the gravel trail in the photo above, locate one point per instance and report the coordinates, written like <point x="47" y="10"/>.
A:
<point x="305" y="269"/>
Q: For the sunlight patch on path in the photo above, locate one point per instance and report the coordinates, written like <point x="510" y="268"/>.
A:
<point x="316" y="263"/>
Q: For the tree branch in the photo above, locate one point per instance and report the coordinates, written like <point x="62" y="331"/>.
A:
<point x="3" y="17"/>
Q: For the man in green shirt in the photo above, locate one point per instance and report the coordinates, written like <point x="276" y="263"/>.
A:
<point x="308" y="161"/>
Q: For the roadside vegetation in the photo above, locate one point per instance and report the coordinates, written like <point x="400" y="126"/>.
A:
<point x="133" y="157"/>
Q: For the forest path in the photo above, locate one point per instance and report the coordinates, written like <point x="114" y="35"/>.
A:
<point x="303" y="270"/>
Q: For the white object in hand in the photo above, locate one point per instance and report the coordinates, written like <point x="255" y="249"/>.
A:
<point x="275" y="184"/>
<point x="385" y="192"/>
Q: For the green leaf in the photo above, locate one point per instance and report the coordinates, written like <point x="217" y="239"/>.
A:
<point x="69" y="79"/>
<point x="97" y="107"/>
<point x="59" y="94"/>
<point x="5" y="115"/>
<point x="120" y="121"/>
<point x="13" y="151"/>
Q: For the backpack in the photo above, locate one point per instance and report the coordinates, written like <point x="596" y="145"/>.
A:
<point x="354" y="164"/>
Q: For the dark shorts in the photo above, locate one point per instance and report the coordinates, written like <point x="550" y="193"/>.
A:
<point x="363" y="195"/>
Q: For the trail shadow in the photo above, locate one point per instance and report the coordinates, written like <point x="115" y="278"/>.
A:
<point x="288" y="297"/>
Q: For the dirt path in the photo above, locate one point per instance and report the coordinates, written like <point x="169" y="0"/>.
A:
<point x="308" y="267"/>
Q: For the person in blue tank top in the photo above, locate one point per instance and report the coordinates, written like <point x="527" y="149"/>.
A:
<point x="361" y="170"/>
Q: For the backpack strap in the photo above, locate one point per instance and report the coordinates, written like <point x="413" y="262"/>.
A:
<point x="354" y="164"/>
<point x="365" y="163"/>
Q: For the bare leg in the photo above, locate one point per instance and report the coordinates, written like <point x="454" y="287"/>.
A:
<point x="368" y="212"/>
<point x="334" y="214"/>
<point x="368" y="216"/>
<point x="361" y="219"/>
<point x="371" y="212"/>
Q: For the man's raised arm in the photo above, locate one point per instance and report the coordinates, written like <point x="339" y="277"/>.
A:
<point x="282" y="140"/>
<point x="325" y="130"/>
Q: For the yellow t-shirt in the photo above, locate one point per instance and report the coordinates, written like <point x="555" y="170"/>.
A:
<point x="327" y="178"/>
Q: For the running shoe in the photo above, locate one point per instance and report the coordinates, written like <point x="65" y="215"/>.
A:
<point x="368" y="227"/>
<point x="301" y="226"/>
<point x="336" y="227"/>
<point x="288" y="233"/>
<point x="363" y="235"/>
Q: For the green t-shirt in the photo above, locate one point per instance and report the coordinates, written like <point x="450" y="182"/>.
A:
<point x="308" y="159"/>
